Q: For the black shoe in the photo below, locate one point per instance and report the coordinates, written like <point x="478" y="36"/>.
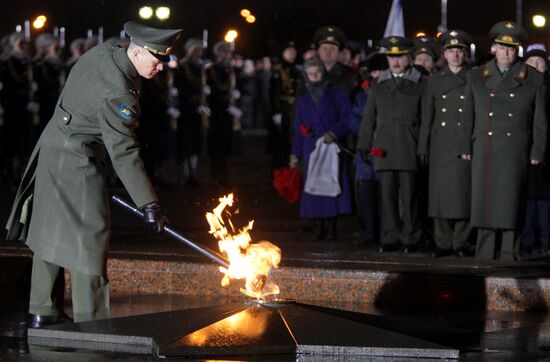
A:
<point x="439" y="253"/>
<point x="385" y="248"/>
<point x="461" y="252"/>
<point x="39" y="321"/>
<point x="409" y="249"/>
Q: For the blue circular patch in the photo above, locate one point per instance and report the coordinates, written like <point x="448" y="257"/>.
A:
<point x="126" y="112"/>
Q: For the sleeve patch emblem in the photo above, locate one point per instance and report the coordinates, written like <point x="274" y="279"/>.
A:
<point x="126" y="112"/>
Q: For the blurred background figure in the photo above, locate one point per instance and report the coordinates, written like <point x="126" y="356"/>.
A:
<point x="49" y="75"/>
<point x="283" y="88"/>
<point x="17" y="102"/>
<point x="189" y="80"/>
<point x="425" y="54"/>
<point x="536" y="231"/>
<point x="77" y="49"/>
<point x="261" y="102"/>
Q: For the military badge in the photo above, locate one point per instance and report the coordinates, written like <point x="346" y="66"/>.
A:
<point x="126" y="112"/>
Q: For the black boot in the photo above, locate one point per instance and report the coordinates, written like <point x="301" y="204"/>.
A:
<point x="332" y="230"/>
<point x="319" y="229"/>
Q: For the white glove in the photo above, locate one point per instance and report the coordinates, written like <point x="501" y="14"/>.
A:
<point x="235" y="112"/>
<point x="277" y="119"/>
<point x="174" y="92"/>
<point x="293" y="161"/>
<point x="206" y="90"/>
<point x="173" y="112"/>
<point x="33" y="107"/>
<point x="204" y="111"/>
<point x="235" y="94"/>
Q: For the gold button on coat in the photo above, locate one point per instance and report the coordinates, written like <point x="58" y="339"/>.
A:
<point x="460" y="109"/>
<point x="491" y="114"/>
<point x="443" y="109"/>
<point x="490" y="133"/>
<point x="512" y="95"/>
<point x="510" y="115"/>
<point x="443" y="124"/>
<point x="444" y="96"/>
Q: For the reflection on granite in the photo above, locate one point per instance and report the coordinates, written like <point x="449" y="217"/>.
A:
<point x="388" y="289"/>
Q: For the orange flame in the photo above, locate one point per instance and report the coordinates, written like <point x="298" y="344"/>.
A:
<point x="251" y="262"/>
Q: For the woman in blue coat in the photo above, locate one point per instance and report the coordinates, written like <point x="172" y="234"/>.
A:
<point x="321" y="112"/>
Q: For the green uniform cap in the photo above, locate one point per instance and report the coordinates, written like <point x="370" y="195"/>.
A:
<point x="508" y="33"/>
<point x="158" y="42"/>
<point x="396" y="45"/>
<point x="455" y="39"/>
<point x="425" y="45"/>
<point x="330" y="35"/>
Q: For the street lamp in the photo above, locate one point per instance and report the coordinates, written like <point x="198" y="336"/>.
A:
<point x="420" y="34"/>
<point x="230" y="36"/>
<point x="251" y="19"/>
<point x="162" y="13"/>
<point x="146" y="12"/>
<point x="539" y="21"/>
<point x="245" y="13"/>
<point x="39" y="22"/>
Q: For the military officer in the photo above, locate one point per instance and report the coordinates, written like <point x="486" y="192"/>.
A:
<point x="330" y="40"/>
<point x="390" y="123"/>
<point x="504" y="129"/>
<point x="425" y="54"/>
<point x="61" y="208"/>
<point x="449" y="177"/>
<point x="284" y="82"/>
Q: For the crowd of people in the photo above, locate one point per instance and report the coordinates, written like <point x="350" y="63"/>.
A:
<point x="425" y="146"/>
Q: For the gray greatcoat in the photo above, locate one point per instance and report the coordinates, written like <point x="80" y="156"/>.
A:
<point x="61" y="208"/>
<point x="449" y="176"/>
<point x="504" y="127"/>
<point x="391" y="120"/>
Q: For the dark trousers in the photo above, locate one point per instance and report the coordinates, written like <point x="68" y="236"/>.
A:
<point x="451" y="234"/>
<point x="488" y="241"/>
<point x="398" y="189"/>
<point x="367" y="210"/>
<point x="536" y="231"/>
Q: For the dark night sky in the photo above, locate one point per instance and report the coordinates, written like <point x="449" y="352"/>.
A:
<point x="278" y="20"/>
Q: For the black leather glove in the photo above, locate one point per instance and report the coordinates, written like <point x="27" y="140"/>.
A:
<point x="365" y="156"/>
<point x="154" y="218"/>
<point x="423" y="160"/>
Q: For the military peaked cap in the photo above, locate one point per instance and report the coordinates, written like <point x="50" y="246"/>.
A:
<point x="455" y="39"/>
<point x="396" y="45"/>
<point x="425" y="45"/>
<point x="508" y="33"/>
<point x="330" y="35"/>
<point x="158" y="42"/>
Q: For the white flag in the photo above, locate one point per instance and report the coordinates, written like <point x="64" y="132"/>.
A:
<point x="395" y="24"/>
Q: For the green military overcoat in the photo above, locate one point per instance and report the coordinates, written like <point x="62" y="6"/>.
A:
<point x="504" y="127"/>
<point x="391" y="120"/>
<point x="449" y="176"/>
<point x="61" y="208"/>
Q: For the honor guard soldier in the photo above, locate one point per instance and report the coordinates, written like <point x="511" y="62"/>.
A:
<point x="330" y="40"/>
<point x="61" y="208"/>
<point x="390" y="124"/>
<point x="49" y="75"/>
<point x="285" y="79"/>
<point x="17" y="100"/>
<point x="504" y="130"/>
<point x="449" y="177"/>
<point x="425" y="54"/>
<point x="190" y="81"/>
<point x="222" y="81"/>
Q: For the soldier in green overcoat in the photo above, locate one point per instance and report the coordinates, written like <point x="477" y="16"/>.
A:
<point x="504" y="130"/>
<point x="449" y="176"/>
<point x="391" y="122"/>
<point x="61" y="209"/>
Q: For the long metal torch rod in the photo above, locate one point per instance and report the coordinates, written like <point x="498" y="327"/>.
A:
<point x="201" y="249"/>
